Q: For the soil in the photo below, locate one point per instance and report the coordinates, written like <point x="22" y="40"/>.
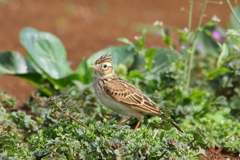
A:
<point x="219" y="154"/>
<point x="87" y="26"/>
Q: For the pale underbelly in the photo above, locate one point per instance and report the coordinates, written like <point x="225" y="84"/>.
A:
<point x="117" y="106"/>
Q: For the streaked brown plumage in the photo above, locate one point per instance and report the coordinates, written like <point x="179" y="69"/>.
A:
<point x="120" y="95"/>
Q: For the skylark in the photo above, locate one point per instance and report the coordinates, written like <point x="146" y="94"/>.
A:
<point x="120" y="95"/>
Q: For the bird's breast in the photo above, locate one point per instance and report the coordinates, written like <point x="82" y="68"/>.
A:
<point x="113" y="104"/>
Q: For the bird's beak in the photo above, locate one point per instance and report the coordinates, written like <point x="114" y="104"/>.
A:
<point x="93" y="67"/>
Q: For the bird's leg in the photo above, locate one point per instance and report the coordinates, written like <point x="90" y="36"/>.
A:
<point x="126" y="121"/>
<point x="136" y="127"/>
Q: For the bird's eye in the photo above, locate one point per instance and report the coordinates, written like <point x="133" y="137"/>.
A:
<point x="105" y="66"/>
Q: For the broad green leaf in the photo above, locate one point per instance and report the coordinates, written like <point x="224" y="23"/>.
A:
<point x="46" y="52"/>
<point x="207" y="39"/>
<point x="37" y="80"/>
<point x="204" y="43"/>
<point x="138" y="63"/>
<point x="13" y="63"/>
<point x="163" y="58"/>
<point x="120" y="55"/>
<point x="85" y="72"/>
<point x="222" y="57"/>
<point x="234" y="22"/>
<point x="70" y="79"/>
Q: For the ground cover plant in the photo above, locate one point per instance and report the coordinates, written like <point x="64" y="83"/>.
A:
<point x="198" y="85"/>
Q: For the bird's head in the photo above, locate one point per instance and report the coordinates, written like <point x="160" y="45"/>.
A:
<point x="103" y="66"/>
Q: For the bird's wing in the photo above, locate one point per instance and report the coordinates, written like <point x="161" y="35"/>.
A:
<point x="126" y="93"/>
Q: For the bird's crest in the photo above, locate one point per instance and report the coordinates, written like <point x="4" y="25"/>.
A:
<point x="103" y="59"/>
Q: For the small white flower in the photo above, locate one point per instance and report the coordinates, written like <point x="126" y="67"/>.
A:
<point x="158" y="23"/>
<point x="186" y="30"/>
<point x="231" y="31"/>
<point x="234" y="33"/>
<point x="216" y="19"/>
<point x="236" y="48"/>
<point x="137" y="37"/>
<point x="183" y="47"/>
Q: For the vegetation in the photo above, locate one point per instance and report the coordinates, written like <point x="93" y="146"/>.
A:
<point x="198" y="85"/>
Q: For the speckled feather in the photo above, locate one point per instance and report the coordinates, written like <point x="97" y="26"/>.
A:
<point x="120" y="95"/>
<point x="126" y="93"/>
<point x="103" y="59"/>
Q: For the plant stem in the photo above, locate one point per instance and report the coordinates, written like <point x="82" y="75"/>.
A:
<point x="162" y="154"/>
<point x="190" y="143"/>
<point x="232" y="10"/>
<point x="190" y="15"/>
<point x="192" y="51"/>
<point x="189" y="28"/>
<point x="189" y="70"/>
<point x="191" y="58"/>
<point x="202" y="13"/>
<point x="72" y="118"/>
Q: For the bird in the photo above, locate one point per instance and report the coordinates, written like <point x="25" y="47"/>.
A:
<point x="120" y="95"/>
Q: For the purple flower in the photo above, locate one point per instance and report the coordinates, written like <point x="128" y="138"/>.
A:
<point x="216" y="35"/>
<point x="199" y="46"/>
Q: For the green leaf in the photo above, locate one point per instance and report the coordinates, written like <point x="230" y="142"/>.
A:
<point x="235" y="22"/>
<point x="138" y="63"/>
<point x="163" y="58"/>
<point x="126" y="41"/>
<point x="183" y="35"/>
<point x="69" y="80"/>
<point x="197" y="96"/>
<point x="222" y="57"/>
<point x="167" y="40"/>
<point x="85" y="72"/>
<point x="13" y="63"/>
<point x="149" y="56"/>
<point x="46" y="52"/>
<point x="208" y="38"/>
<point x="37" y="80"/>
<point x="120" y="55"/>
<point x="135" y="74"/>
<point x="141" y="41"/>
<point x="213" y="74"/>
<point x="201" y="152"/>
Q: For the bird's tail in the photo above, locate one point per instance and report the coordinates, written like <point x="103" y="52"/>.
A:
<point x="177" y="126"/>
<point x="174" y="124"/>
